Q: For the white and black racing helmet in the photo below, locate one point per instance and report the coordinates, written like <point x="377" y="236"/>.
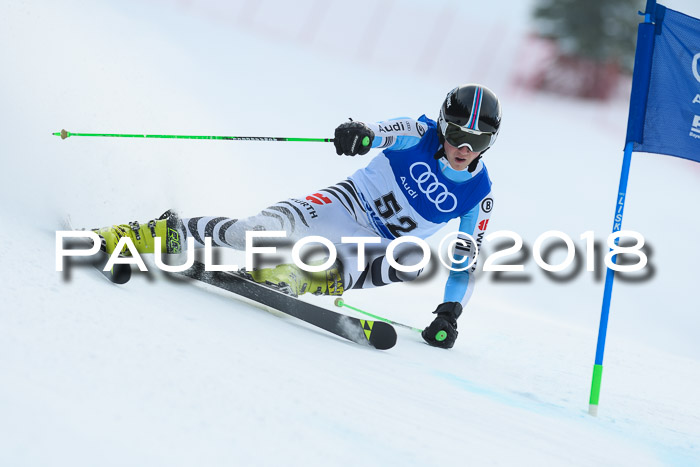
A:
<point x="470" y="116"/>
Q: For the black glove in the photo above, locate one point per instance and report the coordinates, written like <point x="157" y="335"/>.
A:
<point x="353" y="138"/>
<point x="442" y="332"/>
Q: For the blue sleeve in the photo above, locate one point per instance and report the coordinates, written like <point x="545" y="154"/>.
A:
<point x="460" y="284"/>
<point x="397" y="133"/>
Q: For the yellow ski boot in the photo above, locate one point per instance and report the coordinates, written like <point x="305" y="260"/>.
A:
<point x="295" y="281"/>
<point x="167" y="227"/>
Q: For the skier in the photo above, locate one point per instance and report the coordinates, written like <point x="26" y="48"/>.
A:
<point x="427" y="174"/>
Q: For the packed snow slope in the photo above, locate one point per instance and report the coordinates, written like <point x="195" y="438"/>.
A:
<point x="160" y="372"/>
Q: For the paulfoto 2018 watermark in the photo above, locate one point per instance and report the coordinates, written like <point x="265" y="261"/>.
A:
<point x="460" y="247"/>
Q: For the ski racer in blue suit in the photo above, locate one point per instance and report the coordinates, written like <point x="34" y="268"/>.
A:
<point x="428" y="173"/>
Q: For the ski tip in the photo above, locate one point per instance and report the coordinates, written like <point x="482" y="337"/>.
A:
<point x="339" y="302"/>
<point x="383" y="336"/>
<point x="120" y="274"/>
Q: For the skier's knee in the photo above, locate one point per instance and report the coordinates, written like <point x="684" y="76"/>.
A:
<point x="407" y="255"/>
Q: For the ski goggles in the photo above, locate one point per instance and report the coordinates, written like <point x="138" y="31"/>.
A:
<point x="457" y="136"/>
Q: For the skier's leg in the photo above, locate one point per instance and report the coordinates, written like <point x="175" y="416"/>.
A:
<point x="173" y="231"/>
<point x="347" y="273"/>
<point x="217" y="228"/>
<point x="224" y="231"/>
<point x="333" y="213"/>
<point x="375" y="270"/>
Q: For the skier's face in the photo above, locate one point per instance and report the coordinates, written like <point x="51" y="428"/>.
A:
<point x="459" y="158"/>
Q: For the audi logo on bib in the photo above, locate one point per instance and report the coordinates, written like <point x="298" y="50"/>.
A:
<point x="421" y="174"/>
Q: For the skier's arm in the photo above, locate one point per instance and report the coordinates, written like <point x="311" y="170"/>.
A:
<point x="352" y="138"/>
<point x="397" y="133"/>
<point x="442" y="332"/>
<point x="460" y="284"/>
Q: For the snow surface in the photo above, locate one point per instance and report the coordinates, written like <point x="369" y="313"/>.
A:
<point x="163" y="373"/>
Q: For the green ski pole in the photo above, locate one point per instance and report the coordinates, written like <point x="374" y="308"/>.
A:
<point x="67" y="134"/>
<point x="339" y="302"/>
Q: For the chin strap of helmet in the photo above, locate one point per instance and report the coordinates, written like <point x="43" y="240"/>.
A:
<point x="475" y="162"/>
